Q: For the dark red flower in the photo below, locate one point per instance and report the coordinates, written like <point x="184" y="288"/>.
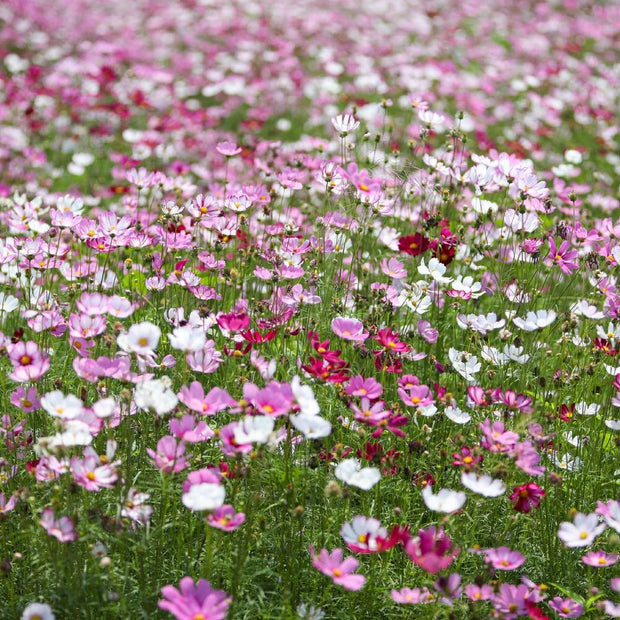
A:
<point x="413" y="244"/>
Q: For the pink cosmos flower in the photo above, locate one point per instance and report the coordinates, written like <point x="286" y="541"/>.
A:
<point x="225" y="518"/>
<point x="135" y="506"/>
<point x="368" y="413"/>
<point x="610" y="511"/>
<point x="600" y="559"/>
<point x="120" y="307"/>
<point x="349" y="329"/>
<point x="394" y="268"/>
<point x="169" y="456"/>
<point x="186" y="429"/>
<point x="566" y="608"/>
<point x="228" y="149"/>
<point x="496" y="437"/>
<point x="503" y="558"/>
<point x="233" y="322"/>
<point x="412" y="596"/>
<point x="86" y="326"/>
<point x="194" y="601"/>
<point x="230" y="446"/>
<point x="275" y="399"/>
<point x="90" y="473"/>
<point x="215" y="401"/>
<point x="427" y="332"/>
<point x="206" y="361"/>
<point x="7" y="505"/>
<point x="359" y="386"/>
<point x="339" y="570"/>
<point x="511" y="600"/>
<point x="27" y="399"/>
<point x="416" y="396"/>
<point x="29" y="362"/>
<point x="449" y="587"/>
<point x="479" y="593"/>
<point x="63" y="529"/>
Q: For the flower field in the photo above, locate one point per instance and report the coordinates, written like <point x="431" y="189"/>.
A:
<point x="309" y="310"/>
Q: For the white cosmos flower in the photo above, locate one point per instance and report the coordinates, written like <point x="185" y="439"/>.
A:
<point x="73" y="433"/>
<point x="415" y="299"/>
<point x="483" y="485"/>
<point x="8" y="303"/>
<point x="155" y="394"/>
<point x="312" y="426"/>
<point x="584" y="308"/>
<point x="305" y="397"/>
<point x="535" y="320"/>
<point x="586" y="409"/>
<point x="428" y="411"/>
<point x="493" y="355"/>
<point x="467" y="284"/>
<point x="142" y="338"/>
<point x="483" y="206"/>
<point x="582" y="531"/>
<point x="435" y="269"/>
<point x="60" y="406"/>
<point x="352" y="472"/>
<point x="38" y="611"/>
<point x="612" y="370"/>
<point x="466" y="364"/>
<point x="614" y="425"/>
<point x="575" y="440"/>
<point x="528" y="222"/>
<point x="446" y="500"/>
<point x="612" y="332"/>
<point x="345" y="123"/>
<point x="515" y="354"/>
<point x="566" y="461"/>
<point x="479" y="322"/>
<point x="204" y="496"/>
<point x="254" y="429"/>
<point x="515" y="295"/>
<point x="104" y="408"/>
<point x="187" y="338"/>
<point x="458" y="416"/>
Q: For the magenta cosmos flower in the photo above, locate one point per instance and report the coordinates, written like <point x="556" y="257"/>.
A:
<point x="431" y="550"/>
<point x="526" y="497"/>
<point x="339" y="570"/>
<point x="562" y="255"/>
<point x="195" y="601"/>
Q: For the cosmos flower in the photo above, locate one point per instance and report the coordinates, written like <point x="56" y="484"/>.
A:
<point x="340" y="570"/>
